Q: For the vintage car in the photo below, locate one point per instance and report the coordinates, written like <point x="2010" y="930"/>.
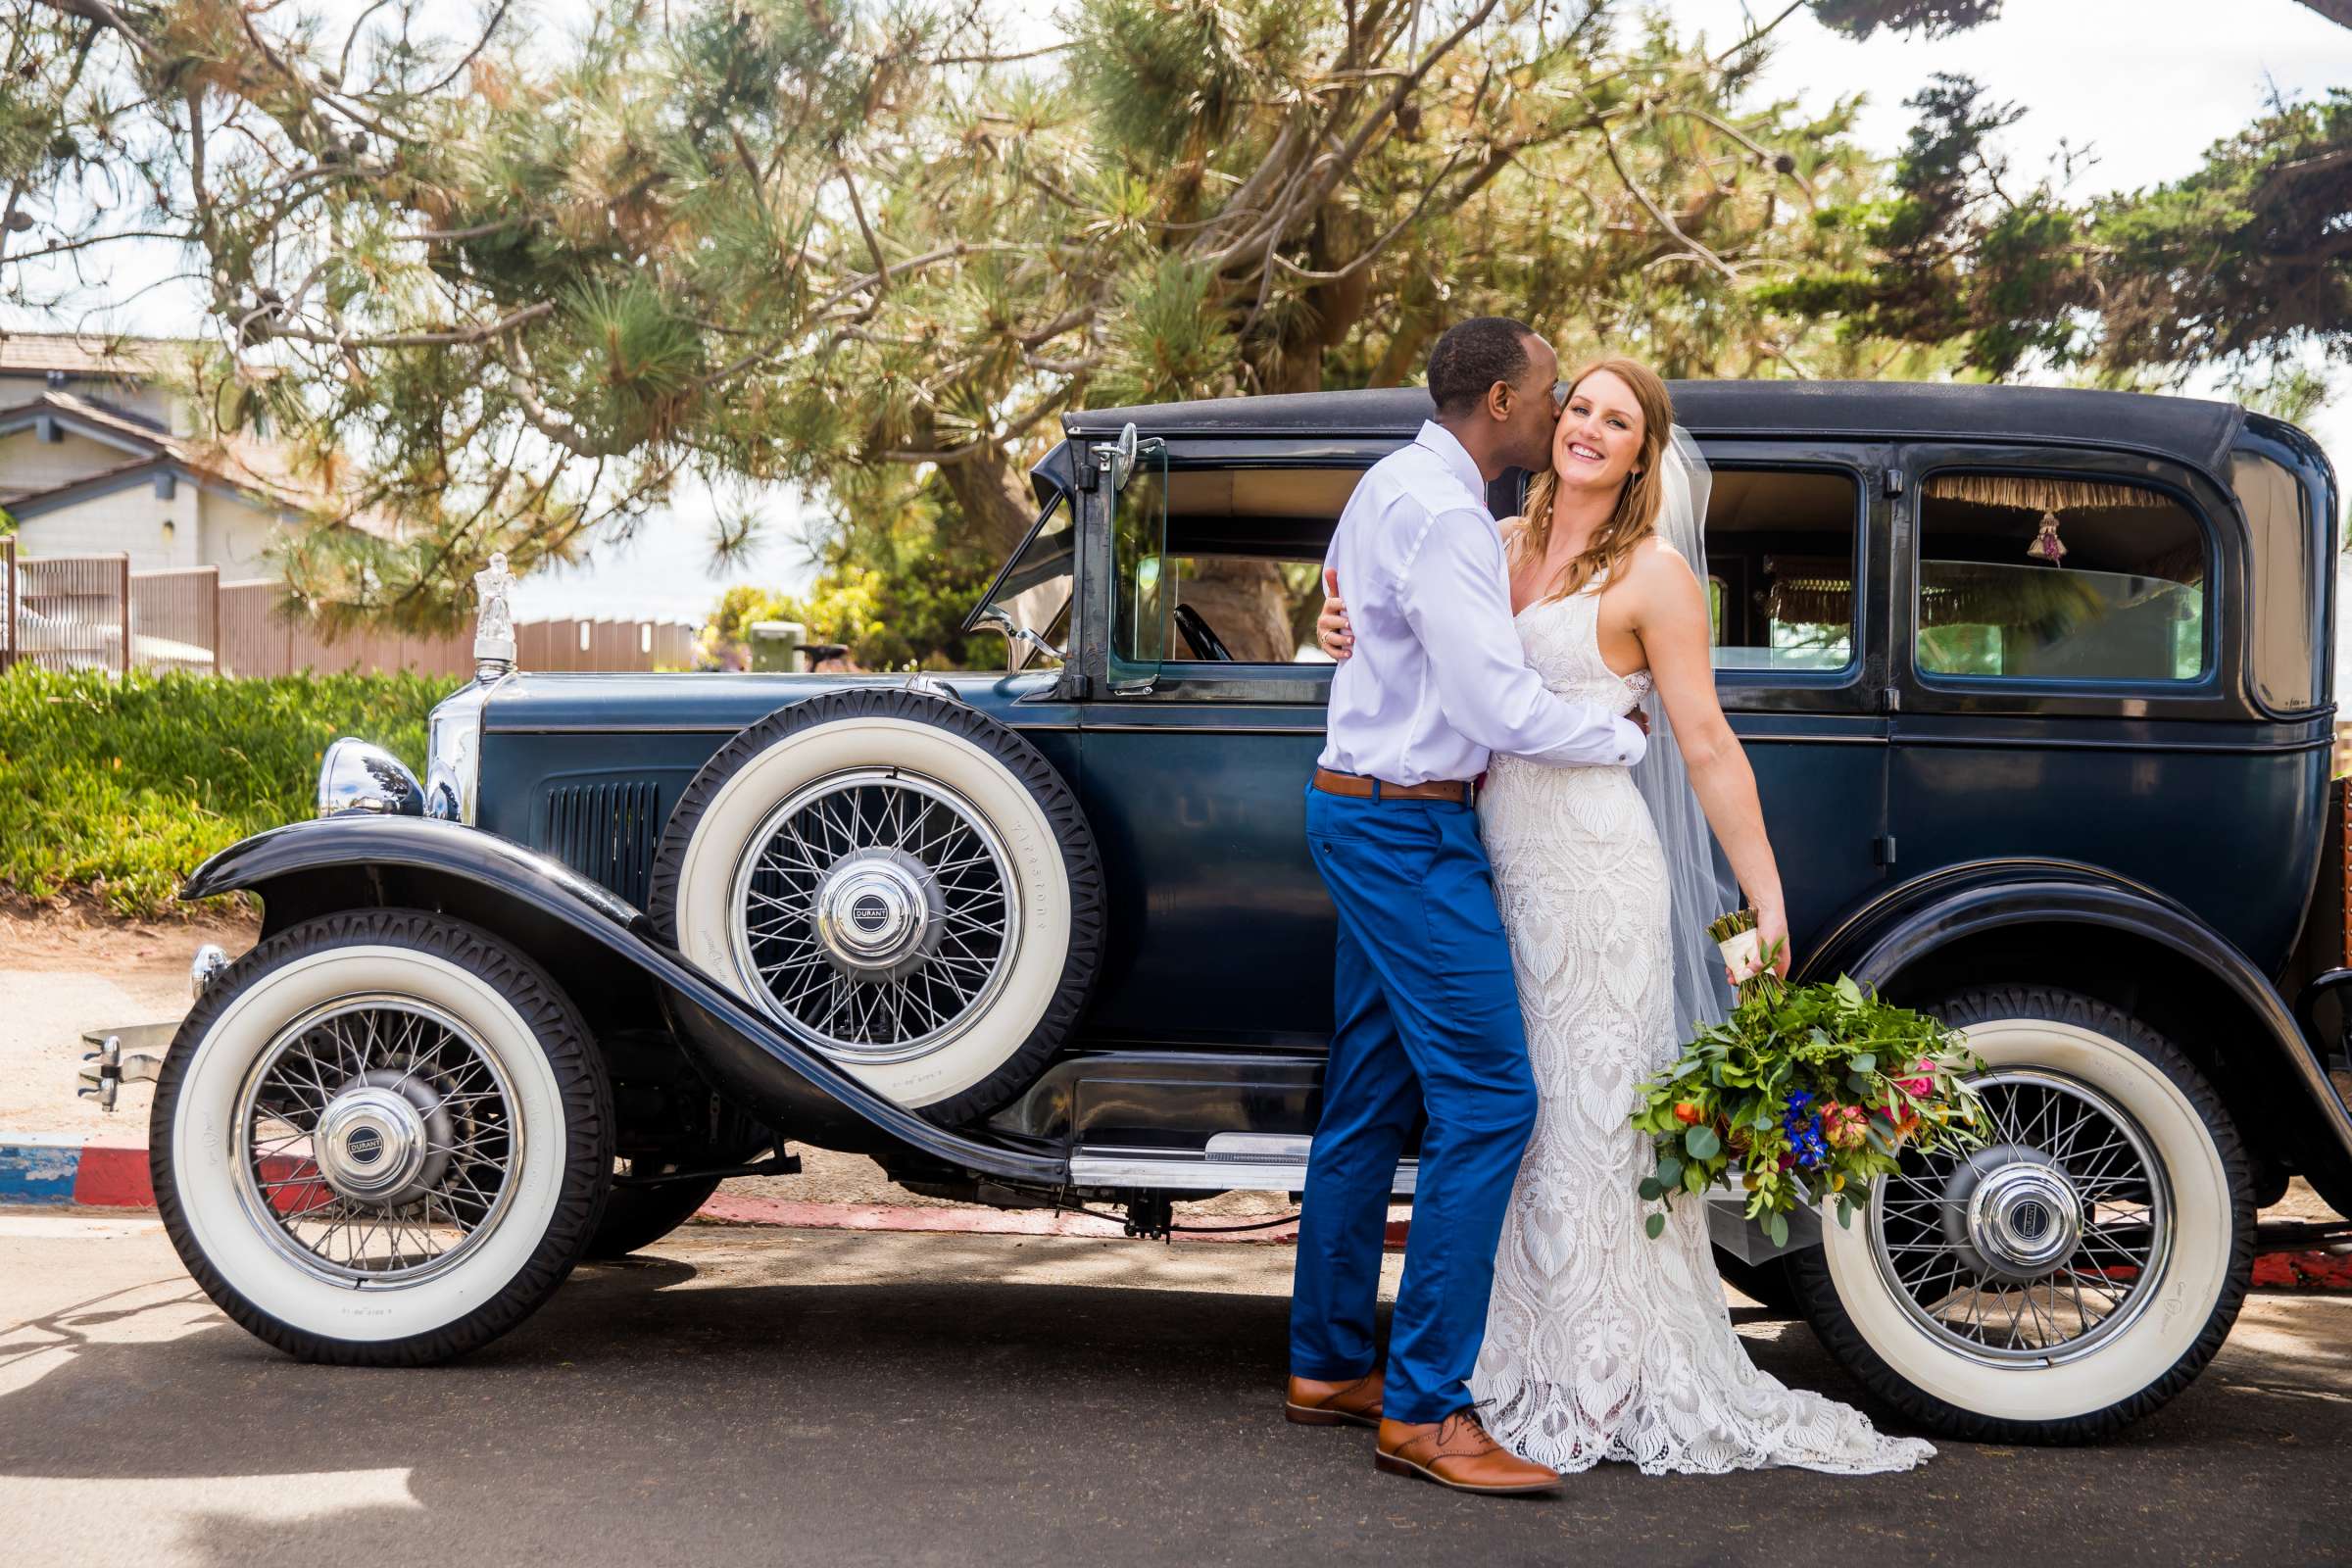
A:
<point x="2036" y="684"/>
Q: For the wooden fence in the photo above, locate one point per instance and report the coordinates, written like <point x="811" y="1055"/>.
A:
<point x="94" y="613"/>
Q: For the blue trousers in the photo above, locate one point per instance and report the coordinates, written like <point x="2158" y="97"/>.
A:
<point x="1427" y="1020"/>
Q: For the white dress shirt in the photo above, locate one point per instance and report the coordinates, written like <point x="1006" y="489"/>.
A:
<point x="1437" y="681"/>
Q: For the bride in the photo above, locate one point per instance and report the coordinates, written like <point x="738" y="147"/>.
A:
<point x="1600" y="1342"/>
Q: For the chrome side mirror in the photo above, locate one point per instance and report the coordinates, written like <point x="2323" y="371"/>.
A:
<point x="1122" y="458"/>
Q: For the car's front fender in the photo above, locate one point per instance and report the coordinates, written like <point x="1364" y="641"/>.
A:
<point x="355" y="860"/>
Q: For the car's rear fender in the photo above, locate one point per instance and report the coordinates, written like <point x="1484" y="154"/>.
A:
<point x="2084" y="928"/>
<point x="599" y="948"/>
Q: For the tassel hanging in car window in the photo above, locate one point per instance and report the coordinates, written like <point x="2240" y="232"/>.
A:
<point x="2047" y="544"/>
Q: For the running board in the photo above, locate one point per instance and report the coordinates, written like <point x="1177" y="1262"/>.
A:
<point x="1248" y="1163"/>
<point x="1274" y="1162"/>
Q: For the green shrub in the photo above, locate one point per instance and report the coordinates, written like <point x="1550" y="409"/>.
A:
<point x="120" y="788"/>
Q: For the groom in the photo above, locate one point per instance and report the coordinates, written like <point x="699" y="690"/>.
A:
<point x="1428" y="1016"/>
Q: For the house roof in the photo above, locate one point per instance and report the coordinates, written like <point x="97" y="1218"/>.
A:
<point x="262" y="471"/>
<point x="2189" y="429"/>
<point x="92" y="355"/>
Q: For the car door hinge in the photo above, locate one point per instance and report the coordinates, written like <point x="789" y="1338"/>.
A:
<point x="1894" y="481"/>
<point x="1882" y="849"/>
<point x="1890" y="701"/>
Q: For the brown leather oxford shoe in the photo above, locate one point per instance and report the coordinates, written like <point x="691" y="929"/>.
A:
<point x="1457" y="1453"/>
<point x="1311" y="1403"/>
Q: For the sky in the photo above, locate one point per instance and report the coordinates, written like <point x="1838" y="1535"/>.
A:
<point x="2143" y="85"/>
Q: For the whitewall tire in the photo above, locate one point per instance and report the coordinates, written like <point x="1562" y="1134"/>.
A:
<point x="382" y="1137"/>
<point x="2075" y="1274"/>
<point x="897" y="882"/>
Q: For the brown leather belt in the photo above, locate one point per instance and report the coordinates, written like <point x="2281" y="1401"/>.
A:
<point x="1356" y="786"/>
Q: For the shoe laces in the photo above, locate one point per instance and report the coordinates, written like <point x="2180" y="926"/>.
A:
<point x="1454" y="1425"/>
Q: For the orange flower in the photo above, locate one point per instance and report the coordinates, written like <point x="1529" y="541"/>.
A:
<point x="1688" y="1113"/>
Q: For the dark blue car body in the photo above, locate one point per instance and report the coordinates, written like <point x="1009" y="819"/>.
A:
<point x="2154" y="844"/>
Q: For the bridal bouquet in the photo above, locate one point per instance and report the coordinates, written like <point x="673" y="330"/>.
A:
<point x="1804" y="1093"/>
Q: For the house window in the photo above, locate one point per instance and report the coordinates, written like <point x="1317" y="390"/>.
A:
<point x="2049" y="577"/>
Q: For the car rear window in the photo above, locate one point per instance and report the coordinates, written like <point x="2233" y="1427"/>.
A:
<point x="2044" y="577"/>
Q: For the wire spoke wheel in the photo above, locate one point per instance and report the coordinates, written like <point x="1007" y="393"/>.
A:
<point x="877" y="910"/>
<point x="377" y="1141"/>
<point x="897" y="882"/>
<point x="2039" y="1247"/>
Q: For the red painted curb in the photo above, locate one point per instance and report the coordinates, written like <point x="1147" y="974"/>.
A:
<point x="113" y="1178"/>
<point x="2303" y="1271"/>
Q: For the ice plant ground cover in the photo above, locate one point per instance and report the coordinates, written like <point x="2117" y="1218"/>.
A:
<point x="1809" y="1093"/>
<point x="117" y="788"/>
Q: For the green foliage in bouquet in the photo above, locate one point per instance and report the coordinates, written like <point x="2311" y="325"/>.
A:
<point x="1805" y="1093"/>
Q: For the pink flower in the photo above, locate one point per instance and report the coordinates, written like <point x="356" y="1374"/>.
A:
<point x="1844" y="1126"/>
<point x="1918" y="1088"/>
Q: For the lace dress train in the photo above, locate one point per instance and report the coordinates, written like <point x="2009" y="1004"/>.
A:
<point x="1603" y="1344"/>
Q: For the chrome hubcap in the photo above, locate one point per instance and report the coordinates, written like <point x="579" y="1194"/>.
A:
<point x="2036" y="1249"/>
<point x="875" y="912"/>
<point x="878" y="911"/>
<point x="377" y="1141"/>
<point x="385" y="1139"/>
<point x="2013" y="1213"/>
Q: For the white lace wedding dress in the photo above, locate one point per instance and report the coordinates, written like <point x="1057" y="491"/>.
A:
<point x="1603" y="1344"/>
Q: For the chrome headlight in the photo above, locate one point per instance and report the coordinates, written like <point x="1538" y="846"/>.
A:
<point x="356" y="776"/>
<point x="453" y="763"/>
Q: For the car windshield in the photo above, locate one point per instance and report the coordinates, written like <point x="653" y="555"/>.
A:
<point x="1034" y="588"/>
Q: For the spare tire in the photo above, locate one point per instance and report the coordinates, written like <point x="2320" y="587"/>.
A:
<point x="898" y="880"/>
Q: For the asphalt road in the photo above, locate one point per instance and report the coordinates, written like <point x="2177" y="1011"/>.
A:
<point x="799" y="1397"/>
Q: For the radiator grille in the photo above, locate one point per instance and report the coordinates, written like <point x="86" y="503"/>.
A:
<point x="606" y="832"/>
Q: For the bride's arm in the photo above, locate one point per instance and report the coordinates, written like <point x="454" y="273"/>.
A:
<point x="1670" y="618"/>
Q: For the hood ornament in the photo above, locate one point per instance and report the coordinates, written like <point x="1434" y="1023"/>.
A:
<point x="494" y="632"/>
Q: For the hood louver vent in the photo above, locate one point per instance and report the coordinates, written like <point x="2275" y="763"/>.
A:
<point x="606" y="832"/>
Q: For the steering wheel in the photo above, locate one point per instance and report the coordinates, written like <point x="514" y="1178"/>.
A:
<point x="1207" y="643"/>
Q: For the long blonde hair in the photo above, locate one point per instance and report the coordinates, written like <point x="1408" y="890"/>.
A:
<point x="1635" y="518"/>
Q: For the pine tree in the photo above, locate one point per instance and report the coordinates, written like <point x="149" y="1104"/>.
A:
<point x="512" y="287"/>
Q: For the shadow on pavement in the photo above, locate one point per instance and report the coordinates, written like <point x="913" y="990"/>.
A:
<point x="660" y="1412"/>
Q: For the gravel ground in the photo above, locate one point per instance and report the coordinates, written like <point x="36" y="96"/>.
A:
<point x="65" y="971"/>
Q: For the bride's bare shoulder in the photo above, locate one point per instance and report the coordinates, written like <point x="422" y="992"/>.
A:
<point x="1512" y="528"/>
<point x="1657" y="562"/>
<point x="1661" y="576"/>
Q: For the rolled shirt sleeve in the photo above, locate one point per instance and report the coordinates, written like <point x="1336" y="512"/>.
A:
<point x="1456" y="595"/>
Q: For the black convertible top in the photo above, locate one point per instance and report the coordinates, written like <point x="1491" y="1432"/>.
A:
<point x="2188" y="429"/>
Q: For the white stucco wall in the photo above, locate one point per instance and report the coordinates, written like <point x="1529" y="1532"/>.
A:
<point x="127" y="521"/>
<point x="235" y="536"/>
<point x="28" y="462"/>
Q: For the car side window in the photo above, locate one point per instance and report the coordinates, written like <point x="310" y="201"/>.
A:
<point x="1781" y="561"/>
<point x="2047" y="576"/>
<point x="1245" y="563"/>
